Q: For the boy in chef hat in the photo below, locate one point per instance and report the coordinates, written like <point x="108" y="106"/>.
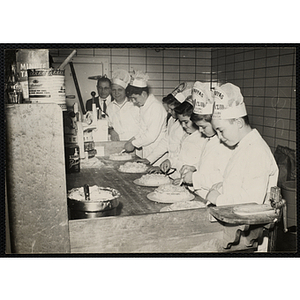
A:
<point x="252" y="170"/>
<point x="153" y="115"/>
<point x="180" y="100"/>
<point x="214" y="155"/>
<point x="123" y="115"/>
<point x="169" y="145"/>
<point x="192" y="142"/>
<point x="138" y="90"/>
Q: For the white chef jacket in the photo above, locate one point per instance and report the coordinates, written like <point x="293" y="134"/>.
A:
<point x="170" y="142"/>
<point x="250" y="173"/>
<point x="124" y="119"/>
<point x="152" y="126"/>
<point x="191" y="148"/>
<point x="211" y="165"/>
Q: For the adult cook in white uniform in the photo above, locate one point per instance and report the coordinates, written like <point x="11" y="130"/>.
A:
<point x="123" y="115"/>
<point x="215" y="155"/>
<point x="152" y="116"/>
<point x="252" y="169"/>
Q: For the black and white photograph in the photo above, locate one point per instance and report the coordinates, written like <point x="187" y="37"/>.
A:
<point x="151" y="149"/>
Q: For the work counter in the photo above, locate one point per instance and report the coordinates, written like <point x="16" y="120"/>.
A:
<point x="133" y="198"/>
<point x="139" y="226"/>
<point x="38" y="218"/>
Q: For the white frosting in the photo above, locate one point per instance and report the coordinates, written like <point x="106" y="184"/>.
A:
<point x="133" y="167"/>
<point x="96" y="194"/>
<point x="182" y="205"/>
<point x="154" y="179"/>
<point x="171" y="192"/>
<point x="120" y="156"/>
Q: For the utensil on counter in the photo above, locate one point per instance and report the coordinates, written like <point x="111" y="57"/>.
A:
<point x="158" y="158"/>
<point x="87" y="192"/>
<point x="123" y="151"/>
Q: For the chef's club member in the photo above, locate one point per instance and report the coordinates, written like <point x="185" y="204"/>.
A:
<point x="191" y="143"/>
<point x="104" y="96"/>
<point x="214" y="155"/>
<point x="170" y="143"/>
<point x="181" y="93"/>
<point x="153" y="115"/>
<point x="251" y="170"/>
<point x="123" y="114"/>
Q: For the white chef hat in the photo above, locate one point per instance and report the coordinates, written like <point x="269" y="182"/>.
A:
<point x="183" y="91"/>
<point x="121" y="77"/>
<point x="202" y="98"/>
<point x="139" y="79"/>
<point x="229" y="102"/>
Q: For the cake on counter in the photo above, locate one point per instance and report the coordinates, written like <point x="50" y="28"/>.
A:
<point x="170" y="192"/>
<point x="120" y="156"/>
<point x="154" y="179"/>
<point x="133" y="167"/>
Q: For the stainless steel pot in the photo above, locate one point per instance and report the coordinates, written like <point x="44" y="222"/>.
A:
<point x="94" y="209"/>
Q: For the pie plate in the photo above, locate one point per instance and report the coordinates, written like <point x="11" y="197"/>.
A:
<point x="137" y="182"/>
<point x="152" y="197"/>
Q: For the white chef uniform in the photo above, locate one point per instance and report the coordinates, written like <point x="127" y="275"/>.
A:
<point x="251" y="170"/>
<point x="173" y="137"/>
<point x="169" y="143"/>
<point x="250" y="173"/>
<point x="152" y="126"/>
<point x="190" y="152"/>
<point x="215" y="154"/>
<point x="211" y="166"/>
<point x="124" y="118"/>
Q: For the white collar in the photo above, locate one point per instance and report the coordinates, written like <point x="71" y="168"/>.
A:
<point x="121" y="105"/>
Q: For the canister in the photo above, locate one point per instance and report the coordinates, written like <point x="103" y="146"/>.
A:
<point x="30" y="59"/>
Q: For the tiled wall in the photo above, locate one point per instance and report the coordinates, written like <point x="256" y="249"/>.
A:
<point x="166" y="67"/>
<point x="267" y="78"/>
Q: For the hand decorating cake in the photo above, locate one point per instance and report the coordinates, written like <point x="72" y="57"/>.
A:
<point x="154" y="179"/>
<point x="120" y="156"/>
<point x="170" y="192"/>
<point x="133" y="167"/>
<point x="97" y="194"/>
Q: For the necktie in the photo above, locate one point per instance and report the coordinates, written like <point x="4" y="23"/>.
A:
<point x="104" y="107"/>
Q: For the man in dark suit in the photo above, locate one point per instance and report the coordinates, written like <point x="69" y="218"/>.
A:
<point x="104" y="96"/>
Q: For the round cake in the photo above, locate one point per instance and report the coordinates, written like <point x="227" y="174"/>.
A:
<point x="133" y="167"/>
<point x="183" y="205"/>
<point x="97" y="194"/>
<point x="154" y="179"/>
<point x="120" y="156"/>
<point x="170" y="192"/>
